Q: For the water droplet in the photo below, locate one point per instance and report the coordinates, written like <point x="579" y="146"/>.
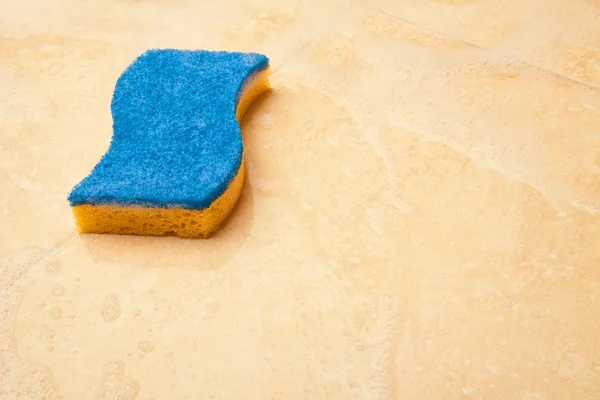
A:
<point x="53" y="267"/>
<point x="111" y="308"/>
<point x="56" y="313"/>
<point x="47" y="332"/>
<point x="58" y="290"/>
<point x="49" y="348"/>
<point x="146" y="346"/>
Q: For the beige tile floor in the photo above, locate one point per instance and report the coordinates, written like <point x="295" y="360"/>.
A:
<point x="421" y="218"/>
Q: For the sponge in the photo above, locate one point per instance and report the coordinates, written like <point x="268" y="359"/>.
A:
<point x="175" y="165"/>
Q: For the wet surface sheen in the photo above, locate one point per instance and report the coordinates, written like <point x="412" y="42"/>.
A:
<point x="420" y="218"/>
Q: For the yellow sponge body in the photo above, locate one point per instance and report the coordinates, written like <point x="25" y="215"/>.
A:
<point x="186" y="223"/>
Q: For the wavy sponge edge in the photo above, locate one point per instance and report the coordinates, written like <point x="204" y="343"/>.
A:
<point x="175" y="165"/>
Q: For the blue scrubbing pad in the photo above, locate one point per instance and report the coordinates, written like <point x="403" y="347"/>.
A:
<point x="176" y="140"/>
<point x="175" y="143"/>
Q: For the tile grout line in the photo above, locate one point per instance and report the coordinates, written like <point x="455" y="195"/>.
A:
<point x="421" y="27"/>
<point x="441" y="35"/>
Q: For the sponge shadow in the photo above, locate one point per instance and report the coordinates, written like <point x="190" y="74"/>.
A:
<point x="242" y="217"/>
<point x="167" y="252"/>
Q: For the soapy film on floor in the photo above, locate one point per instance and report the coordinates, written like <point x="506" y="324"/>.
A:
<point x="417" y="236"/>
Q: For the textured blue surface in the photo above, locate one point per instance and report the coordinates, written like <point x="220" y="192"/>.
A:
<point x="176" y="141"/>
